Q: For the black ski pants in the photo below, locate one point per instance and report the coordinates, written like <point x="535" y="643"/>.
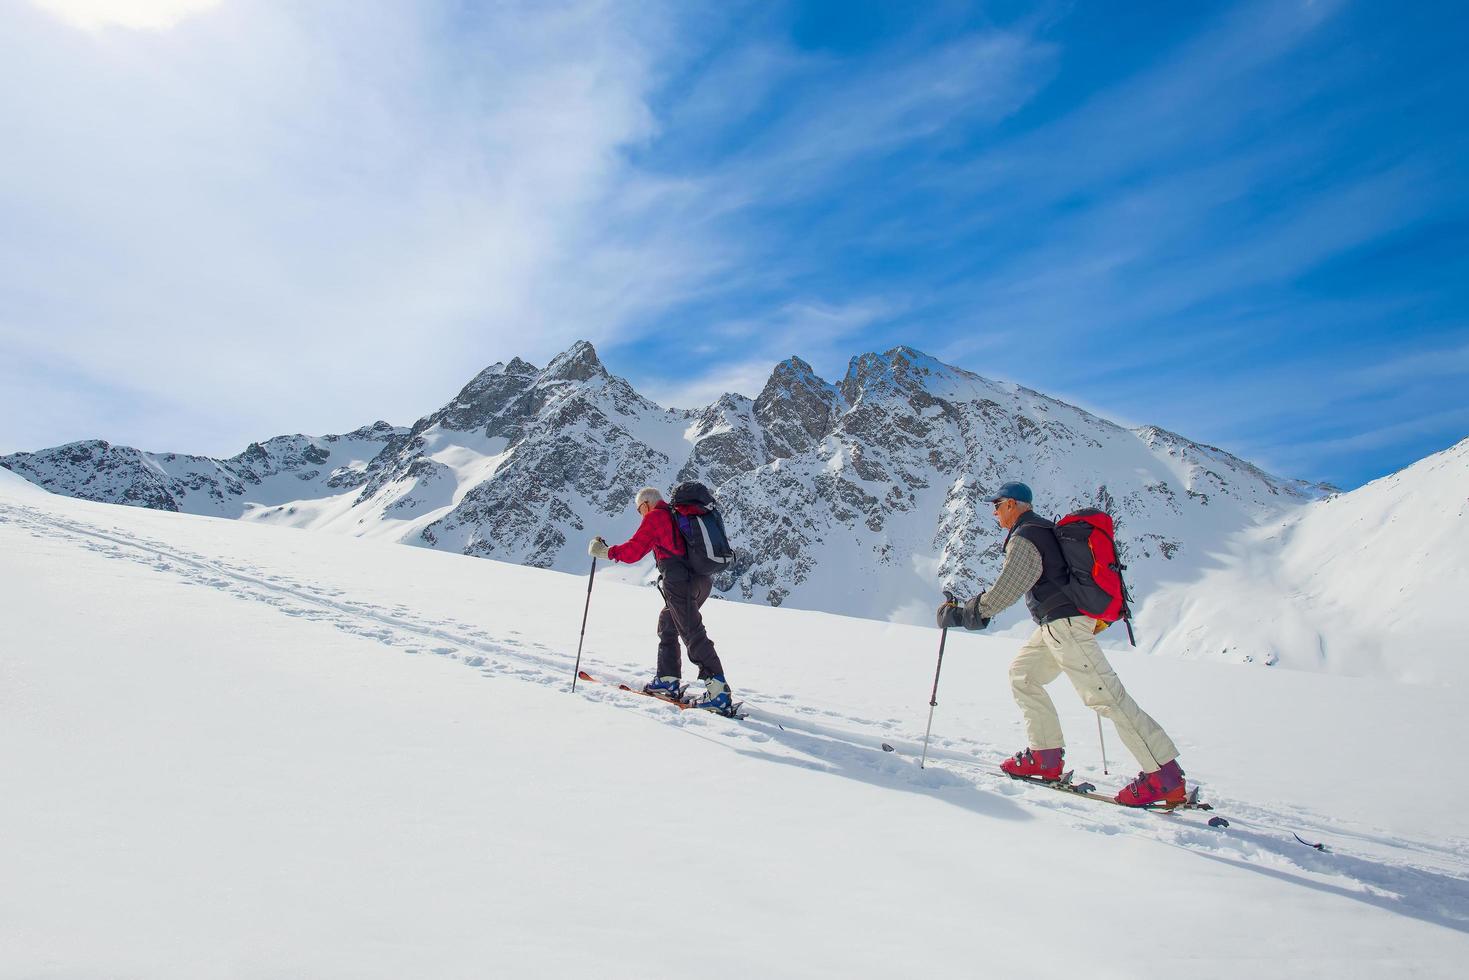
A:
<point x="683" y="594"/>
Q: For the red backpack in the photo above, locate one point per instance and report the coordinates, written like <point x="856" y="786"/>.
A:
<point x="1096" y="585"/>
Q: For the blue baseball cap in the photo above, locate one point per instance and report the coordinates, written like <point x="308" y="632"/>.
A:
<point x="1012" y="491"/>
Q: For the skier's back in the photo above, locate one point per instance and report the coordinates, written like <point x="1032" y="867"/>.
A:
<point x="1064" y="642"/>
<point x="684" y="592"/>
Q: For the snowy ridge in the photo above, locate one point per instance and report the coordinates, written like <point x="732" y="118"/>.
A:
<point x="415" y="827"/>
<point x="1366" y="583"/>
<point x="276" y="472"/>
<point x="865" y="497"/>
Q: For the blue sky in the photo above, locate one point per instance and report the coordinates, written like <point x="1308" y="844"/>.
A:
<point x="1244" y="222"/>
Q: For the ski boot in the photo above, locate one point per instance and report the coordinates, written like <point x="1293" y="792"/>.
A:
<point x="717" y="698"/>
<point x="667" y="688"/>
<point x="1162" y="788"/>
<point x="1044" y="764"/>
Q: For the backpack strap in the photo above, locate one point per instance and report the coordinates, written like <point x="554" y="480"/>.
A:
<point x="678" y="536"/>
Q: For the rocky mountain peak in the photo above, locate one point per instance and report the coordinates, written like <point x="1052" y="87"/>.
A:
<point x="378" y="428"/>
<point x="729" y="402"/>
<point x="516" y="368"/>
<point x="859" y="370"/>
<point x="579" y="362"/>
<point x="796" y="408"/>
<point x="899" y="371"/>
<point x="790" y="371"/>
<point x="485" y="398"/>
<point x="520" y="368"/>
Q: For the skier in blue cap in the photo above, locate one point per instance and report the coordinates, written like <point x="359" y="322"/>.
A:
<point x="1064" y="642"/>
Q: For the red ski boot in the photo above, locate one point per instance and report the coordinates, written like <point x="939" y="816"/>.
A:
<point x="1035" y="764"/>
<point x="1163" y="788"/>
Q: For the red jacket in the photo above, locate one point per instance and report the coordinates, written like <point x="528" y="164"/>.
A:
<point x="656" y="533"/>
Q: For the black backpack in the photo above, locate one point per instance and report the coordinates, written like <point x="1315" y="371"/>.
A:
<point x="696" y="515"/>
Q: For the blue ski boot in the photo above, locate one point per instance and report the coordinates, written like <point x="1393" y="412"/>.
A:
<point x="717" y="698"/>
<point x="668" y="688"/>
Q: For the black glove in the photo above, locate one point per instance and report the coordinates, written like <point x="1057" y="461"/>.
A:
<point x="950" y="614"/>
<point x="971" y="619"/>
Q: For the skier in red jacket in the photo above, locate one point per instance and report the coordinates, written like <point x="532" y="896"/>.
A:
<point x="684" y="591"/>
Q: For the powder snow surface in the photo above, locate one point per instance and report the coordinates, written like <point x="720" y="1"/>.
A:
<point x="1368" y="583"/>
<point x="239" y="751"/>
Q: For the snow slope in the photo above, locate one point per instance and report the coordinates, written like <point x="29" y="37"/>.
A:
<point x="241" y="751"/>
<point x="1368" y="583"/>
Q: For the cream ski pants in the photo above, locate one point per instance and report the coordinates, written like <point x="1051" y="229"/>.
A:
<point x="1070" y="646"/>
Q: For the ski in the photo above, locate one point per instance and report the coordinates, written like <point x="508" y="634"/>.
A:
<point x="680" y="704"/>
<point x="1088" y="790"/>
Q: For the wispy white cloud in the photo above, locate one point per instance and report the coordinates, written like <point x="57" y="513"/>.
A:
<point x="820" y="116"/>
<point x="741" y="353"/>
<point x="824" y="114"/>
<point x="307" y="216"/>
<point x="317" y="214"/>
<point x="153" y="15"/>
<point x="1135" y="179"/>
<point x="1413" y="367"/>
<point x="978" y="78"/>
<point x="1382" y="436"/>
<point x="743" y="377"/>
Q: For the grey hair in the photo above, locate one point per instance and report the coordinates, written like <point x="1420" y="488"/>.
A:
<point x="647" y="495"/>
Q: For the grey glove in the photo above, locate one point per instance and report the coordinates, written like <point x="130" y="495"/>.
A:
<point x="950" y="614"/>
<point x="598" y="547"/>
<point x="972" y="619"/>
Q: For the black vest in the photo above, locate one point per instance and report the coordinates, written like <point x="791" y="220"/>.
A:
<point x="1047" y="599"/>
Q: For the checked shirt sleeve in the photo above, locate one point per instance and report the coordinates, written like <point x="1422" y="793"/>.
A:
<point x="1021" y="571"/>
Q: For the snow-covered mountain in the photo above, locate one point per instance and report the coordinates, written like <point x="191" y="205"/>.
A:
<point x="864" y="497"/>
<point x="893" y="477"/>
<point x="1366" y="583"/>
<point x="279" y="470"/>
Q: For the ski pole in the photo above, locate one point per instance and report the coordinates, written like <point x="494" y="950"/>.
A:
<point x="1103" y="742"/>
<point x="577" y="670"/>
<point x="933" y="699"/>
<point x="1126" y="602"/>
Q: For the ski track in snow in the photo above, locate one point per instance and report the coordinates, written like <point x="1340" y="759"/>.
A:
<point x="1424" y="879"/>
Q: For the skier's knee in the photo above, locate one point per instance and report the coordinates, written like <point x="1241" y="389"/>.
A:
<point x="1100" y="699"/>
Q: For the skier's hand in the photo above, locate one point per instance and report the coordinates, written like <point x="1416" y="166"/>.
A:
<point x="972" y="620"/>
<point x="950" y="614"/>
<point x="598" y="547"/>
